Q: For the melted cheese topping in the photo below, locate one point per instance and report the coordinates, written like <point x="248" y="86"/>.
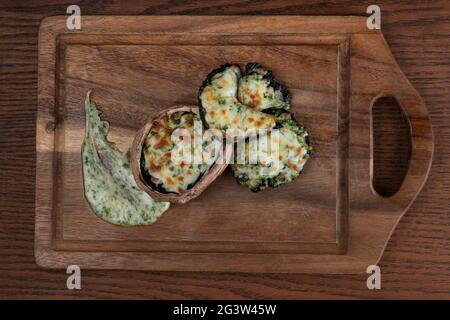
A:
<point x="275" y="166"/>
<point x="159" y="146"/>
<point x="256" y="92"/>
<point x="222" y="109"/>
<point x="109" y="186"/>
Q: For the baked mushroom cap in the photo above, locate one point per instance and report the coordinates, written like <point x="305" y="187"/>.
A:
<point x="281" y="162"/>
<point x="250" y="102"/>
<point x="259" y="90"/>
<point x="154" y="168"/>
<point x="221" y="109"/>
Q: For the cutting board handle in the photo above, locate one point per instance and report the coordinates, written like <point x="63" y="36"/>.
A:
<point x="421" y="139"/>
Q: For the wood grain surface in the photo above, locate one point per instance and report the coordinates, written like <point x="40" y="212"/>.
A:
<point x="319" y="223"/>
<point x="416" y="262"/>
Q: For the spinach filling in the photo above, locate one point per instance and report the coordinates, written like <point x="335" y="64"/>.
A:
<point x="229" y="99"/>
<point x="259" y="90"/>
<point x="294" y="150"/>
<point x="220" y="107"/>
<point x="159" y="168"/>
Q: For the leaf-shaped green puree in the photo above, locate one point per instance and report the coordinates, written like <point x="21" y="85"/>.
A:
<point x="109" y="185"/>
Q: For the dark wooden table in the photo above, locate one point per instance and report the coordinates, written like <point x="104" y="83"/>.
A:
<point x="416" y="263"/>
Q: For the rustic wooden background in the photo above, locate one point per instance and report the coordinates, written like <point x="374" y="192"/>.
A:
<point x="416" y="263"/>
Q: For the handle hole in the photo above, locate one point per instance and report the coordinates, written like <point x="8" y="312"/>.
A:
<point x="391" y="146"/>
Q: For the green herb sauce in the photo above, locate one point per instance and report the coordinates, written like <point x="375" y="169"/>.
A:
<point x="109" y="184"/>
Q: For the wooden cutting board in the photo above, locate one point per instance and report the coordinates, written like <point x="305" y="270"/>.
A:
<point x="329" y="220"/>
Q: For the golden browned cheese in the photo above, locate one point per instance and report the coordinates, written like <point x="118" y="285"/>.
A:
<point x="162" y="146"/>
<point x="222" y="109"/>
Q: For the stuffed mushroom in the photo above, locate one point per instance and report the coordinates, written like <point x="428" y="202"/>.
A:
<point x="220" y="107"/>
<point x="259" y="90"/>
<point x="253" y="100"/>
<point x="157" y="153"/>
<point x="279" y="163"/>
<point x="172" y="160"/>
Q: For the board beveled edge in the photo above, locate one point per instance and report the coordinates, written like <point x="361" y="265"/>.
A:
<point x="338" y="247"/>
<point x="47" y="257"/>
